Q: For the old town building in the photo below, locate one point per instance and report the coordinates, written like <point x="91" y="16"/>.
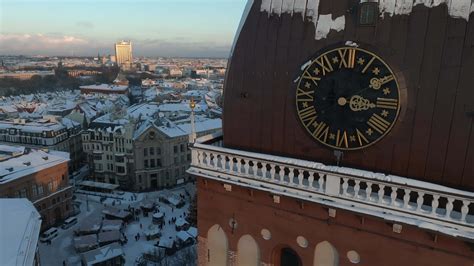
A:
<point x="39" y="176"/>
<point x="48" y="132"/>
<point x="347" y="139"/>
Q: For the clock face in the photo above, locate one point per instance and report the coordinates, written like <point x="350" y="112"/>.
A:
<point x="347" y="98"/>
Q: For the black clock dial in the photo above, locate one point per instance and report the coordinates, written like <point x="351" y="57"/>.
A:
<point x="347" y="98"/>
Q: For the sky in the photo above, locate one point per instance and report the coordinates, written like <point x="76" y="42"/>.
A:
<point x="185" y="28"/>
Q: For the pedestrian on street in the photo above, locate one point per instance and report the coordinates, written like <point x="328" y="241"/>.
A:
<point x="141" y="226"/>
<point x="64" y="263"/>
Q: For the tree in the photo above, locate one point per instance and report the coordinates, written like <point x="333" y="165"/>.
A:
<point x="192" y="217"/>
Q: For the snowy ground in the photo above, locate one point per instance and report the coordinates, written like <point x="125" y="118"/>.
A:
<point x="62" y="248"/>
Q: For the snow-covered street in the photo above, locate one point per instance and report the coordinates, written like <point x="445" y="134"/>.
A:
<point x="62" y="247"/>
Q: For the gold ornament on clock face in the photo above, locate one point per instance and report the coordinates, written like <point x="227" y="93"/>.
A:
<point x="347" y="98"/>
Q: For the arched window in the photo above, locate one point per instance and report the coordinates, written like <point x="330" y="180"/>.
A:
<point x="248" y="252"/>
<point x="325" y="254"/>
<point x="217" y="246"/>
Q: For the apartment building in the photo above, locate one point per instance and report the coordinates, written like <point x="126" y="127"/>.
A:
<point x="49" y="132"/>
<point x="41" y="177"/>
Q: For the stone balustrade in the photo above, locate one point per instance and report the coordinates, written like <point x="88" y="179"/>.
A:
<point x="418" y="203"/>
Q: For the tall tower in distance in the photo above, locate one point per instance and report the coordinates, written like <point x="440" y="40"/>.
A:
<point x="123" y="53"/>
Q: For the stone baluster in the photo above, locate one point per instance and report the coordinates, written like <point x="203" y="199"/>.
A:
<point x="214" y="161"/>
<point x="246" y="167"/>
<point x="356" y="188"/>
<point x="195" y="157"/>
<point x="264" y="170"/>
<point x="291" y="175"/>
<point x="368" y="191"/>
<point x="272" y="172"/>
<point x="300" y="178"/>
<point x="231" y="164"/>
<point x="345" y="185"/>
<point x="311" y="180"/>
<point x="321" y="182"/>
<point x="449" y="207"/>
<point x="239" y="165"/>
<point x="434" y="204"/>
<point x="406" y="198"/>
<point x="393" y="196"/>
<point x="420" y="200"/>
<point x="381" y="194"/>
<point x="281" y="174"/>
<point x="464" y="210"/>
<point x="255" y="169"/>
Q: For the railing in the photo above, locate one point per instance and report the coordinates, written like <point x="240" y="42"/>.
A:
<point x="402" y="199"/>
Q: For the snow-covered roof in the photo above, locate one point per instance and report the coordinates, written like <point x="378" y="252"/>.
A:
<point x="20" y="225"/>
<point x="183" y="236"/>
<point x="102" y="254"/>
<point x="27" y="164"/>
<point x="176" y="130"/>
<point x="180" y="222"/>
<point x="106" y="87"/>
<point x="37" y="126"/>
<point x="192" y="231"/>
<point x="166" y="242"/>
<point x="108" y="236"/>
<point x="110" y="225"/>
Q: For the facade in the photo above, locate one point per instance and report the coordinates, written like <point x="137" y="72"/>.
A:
<point x="346" y="140"/>
<point x="123" y="53"/>
<point x="49" y="132"/>
<point x="137" y="148"/>
<point x="41" y="177"/>
<point x="105" y="89"/>
<point x="20" y="232"/>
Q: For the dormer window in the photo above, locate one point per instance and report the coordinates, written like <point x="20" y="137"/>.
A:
<point x="368" y="13"/>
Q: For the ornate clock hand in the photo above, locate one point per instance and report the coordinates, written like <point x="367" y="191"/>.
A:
<point x="359" y="103"/>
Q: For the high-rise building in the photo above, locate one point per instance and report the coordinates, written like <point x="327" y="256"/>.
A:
<point x="347" y="138"/>
<point x="123" y="53"/>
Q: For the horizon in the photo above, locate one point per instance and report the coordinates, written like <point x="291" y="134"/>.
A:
<point x="156" y="28"/>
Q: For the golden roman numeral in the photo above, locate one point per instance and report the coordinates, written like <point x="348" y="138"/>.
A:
<point x="349" y="60"/>
<point x="307" y="112"/>
<point x="321" y="130"/>
<point x="378" y="123"/>
<point x="361" y="137"/>
<point x="368" y="64"/>
<point x="341" y="139"/>
<point x="309" y="94"/>
<point x="306" y="75"/>
<point x="325" y="64"/>
<point x="387" y="103"/>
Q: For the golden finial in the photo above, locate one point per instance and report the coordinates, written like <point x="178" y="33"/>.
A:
<point x="192" y="104"/>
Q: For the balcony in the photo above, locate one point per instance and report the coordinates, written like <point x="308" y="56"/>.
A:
<point x="397" y="199"/>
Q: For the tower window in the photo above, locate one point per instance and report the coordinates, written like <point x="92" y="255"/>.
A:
<point x="368" y="13"/>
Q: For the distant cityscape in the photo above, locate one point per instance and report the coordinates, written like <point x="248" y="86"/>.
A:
<point x="75" y="129"/>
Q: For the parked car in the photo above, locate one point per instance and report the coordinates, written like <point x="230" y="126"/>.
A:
<point x="69" y="223"/>
<point x="49" y="234"/>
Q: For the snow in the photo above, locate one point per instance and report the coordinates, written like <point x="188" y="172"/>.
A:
<point x="105" y="87"/>
<point x="104" y="253"/>
<point x="62" y="247"/>
<point x="19" y="231"/>
<point x="176" y="130"/>
<point x="324" y="23"/>
<point x="28" y="164"/>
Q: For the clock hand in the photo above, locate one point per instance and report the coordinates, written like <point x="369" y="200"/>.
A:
<point x="356" y="103"/>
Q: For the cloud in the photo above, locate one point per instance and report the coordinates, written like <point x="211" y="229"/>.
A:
<point x="66" y="45"/>
<point x="85" y="24"/>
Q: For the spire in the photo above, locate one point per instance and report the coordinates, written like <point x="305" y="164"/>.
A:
<point x="192" y="135"/>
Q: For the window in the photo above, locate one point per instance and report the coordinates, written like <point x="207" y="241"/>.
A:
<point x="34" y="190"/>
<point x="152" y="151"/>
<point x="368" y="13"/>
<point x="182" y="159"/>
<point x="40" y="190"/>
<point x="22" y="193"/>
<point x="62" y="177"/>
<point x="189" y="157"/>
<point x="175" y="149"/>
<point x="175" y="159"/>
<point x="158" y="162"/>
<point x="158" y="151"/>
<point x="50" y="186"/>
<point x="145" y="152"/>
<point x="182" y="147"/>
<point x="119" y="159"/>
<point x="139" y="178"/>
<point x="120" y="169"/>
<point x="145" y="163"/>
<point x="152" y="163"/>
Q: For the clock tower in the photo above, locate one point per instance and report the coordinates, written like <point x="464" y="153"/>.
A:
<point x="348" y="137"/>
